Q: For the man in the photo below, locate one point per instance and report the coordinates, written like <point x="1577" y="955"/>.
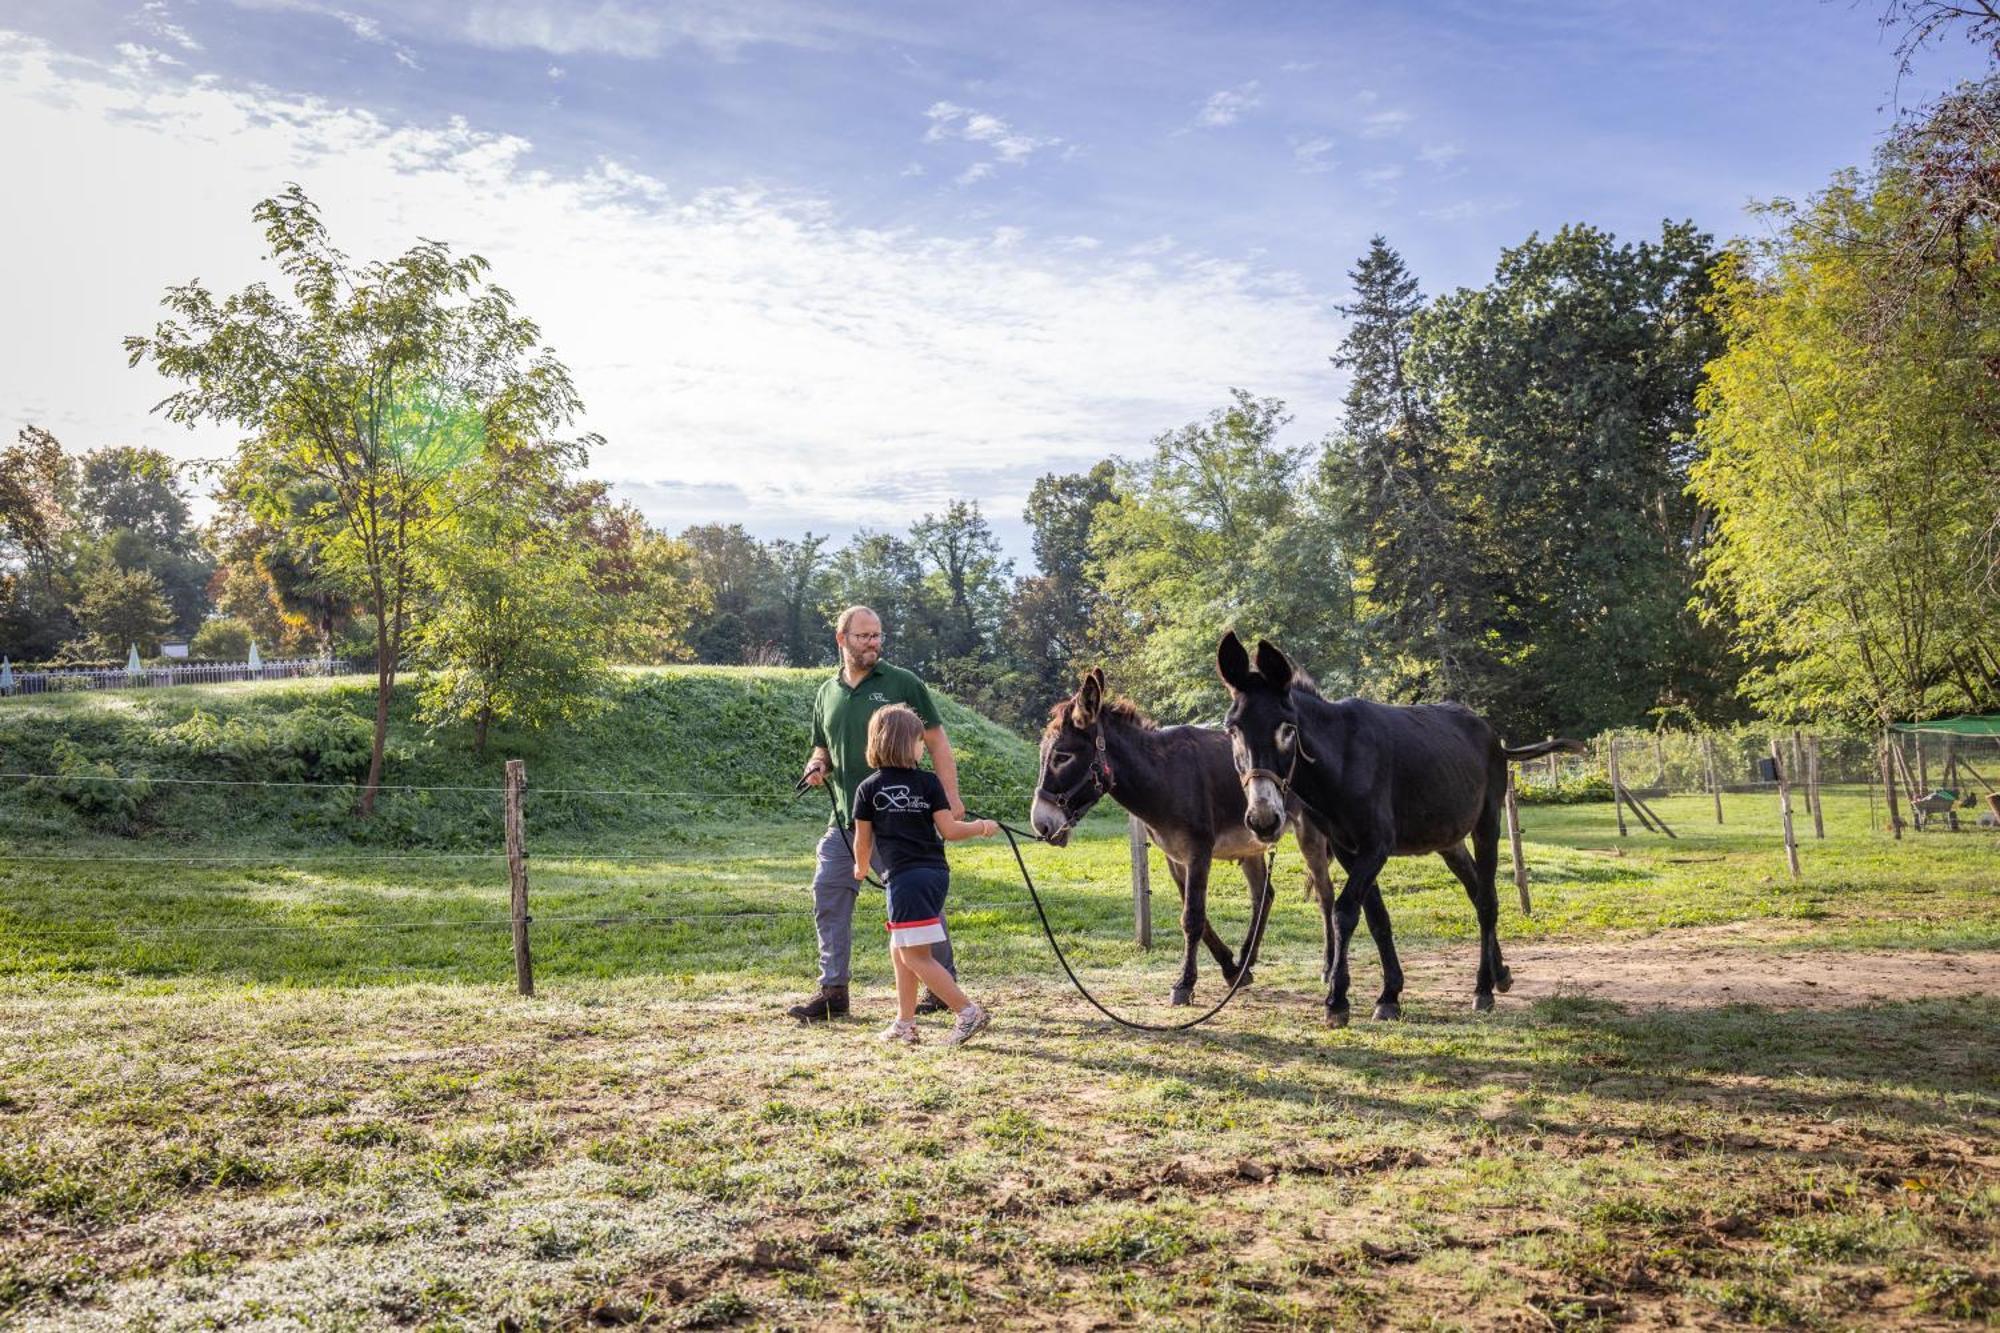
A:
<point x="841" y="711"/>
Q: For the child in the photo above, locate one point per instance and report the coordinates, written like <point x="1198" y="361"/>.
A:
<point x="905" y="811"/>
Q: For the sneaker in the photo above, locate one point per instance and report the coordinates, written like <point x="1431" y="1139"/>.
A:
<point x="930" y="1004"/>
<point x="903" y="1030"/>
<point x="972" y="1020"/>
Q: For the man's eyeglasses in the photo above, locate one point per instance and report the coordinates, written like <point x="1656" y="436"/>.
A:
<point x="864" y="638"/>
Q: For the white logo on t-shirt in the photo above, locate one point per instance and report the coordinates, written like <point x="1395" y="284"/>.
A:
<point x="900" y="799"/>
<point x="878" y="698"/>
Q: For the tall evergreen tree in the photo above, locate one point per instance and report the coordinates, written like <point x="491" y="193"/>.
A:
<point x="1427" y="602"/>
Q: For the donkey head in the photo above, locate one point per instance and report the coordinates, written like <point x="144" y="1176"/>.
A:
<point x="1263" y="726"/>
<point x="1074" y="775"/>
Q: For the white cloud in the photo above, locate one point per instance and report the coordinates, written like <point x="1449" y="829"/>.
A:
<point x="1465" y="210"/>
<point x="1382" y="124"/>
<point x="723" y="337"/>
<point x="1382" y="177"/>
<point x="157" y="19"/>
<point x="137" y="58"/>
<point x="1227" y="107"/>
<point x="1011" y="148"/>
<point x="557" y="72"/>
<point x="913" y="169"/>
<point x="1440" y="155"/>
<point x="1312" y="155"/>
<point x="1299" y="66"/>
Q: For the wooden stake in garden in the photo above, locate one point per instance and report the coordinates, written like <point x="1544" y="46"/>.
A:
<point x="1514" y="840"/>
<point x="1555" y="774"/>
<point x="517" y="875"/>
<point x="1812" y="788"/>
<point x="1142" y="888"/>
<point x="1785" y="807"/>
<point x="1799" y="766"/>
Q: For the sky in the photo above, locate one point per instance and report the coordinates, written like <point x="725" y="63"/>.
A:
<point x="826" y="267"/>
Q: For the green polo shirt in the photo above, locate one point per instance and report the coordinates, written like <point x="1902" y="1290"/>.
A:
<point x="840" y="723"/>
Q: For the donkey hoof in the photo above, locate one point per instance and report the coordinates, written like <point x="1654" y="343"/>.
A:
<point x="1482" y="1003"/>
<point x="1336" y="1018"/>
<point x="1388" y="1011"/>
<point x="1505" y="981"/>
<point x="1243" y="972"/>
<point x="1183" y="995"/>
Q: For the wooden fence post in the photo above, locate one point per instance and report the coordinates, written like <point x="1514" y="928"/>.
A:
<point x="1798" y="773"/>
<point x="1660" y="761"/>
<point x="1889" y="789"/>
<point x="1785" y="807"/>
<point x="1555" y="774"/>
<point x="517" y="876"/>
<point x="1514" y="840"/>
<point x="1142" y="888"/>
<point x="1617" y="788"/>
<point x="1714" y="778"/>
<point x="1812" y="786"/>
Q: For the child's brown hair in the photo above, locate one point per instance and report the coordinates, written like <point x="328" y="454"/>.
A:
<point x="895" y="737"/>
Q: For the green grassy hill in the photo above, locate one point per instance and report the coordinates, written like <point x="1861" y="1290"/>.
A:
<point x="706" y="745"/>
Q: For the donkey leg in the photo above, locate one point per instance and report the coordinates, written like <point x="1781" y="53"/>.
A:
<point x="1390" y="1004"/>
<point x="1486" y="863"/>
<point x="1260" y="905"/>
<point x="1487" y="909"/>
<point x="1194" y="916"/>
<point x="1361" y="871"/>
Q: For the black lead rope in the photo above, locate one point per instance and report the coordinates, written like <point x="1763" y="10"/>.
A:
<point x="1250" y="945"/>
<point x="799" y="789"/>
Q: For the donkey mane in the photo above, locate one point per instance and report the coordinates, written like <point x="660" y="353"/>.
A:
<point x="1117" y="707"/>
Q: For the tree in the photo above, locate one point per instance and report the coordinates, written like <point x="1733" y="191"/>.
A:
<point x="1047" y="632"/>
<point x="378" y="382"/>
<point x="883" y="571"/>
<point x="223" y="639"/>
<point x="1429" y="600"/>
<point x="801" y="589"/>
<point x="1849" y="434"/>
<point x="120" y="609"/>
<point x="742" y="583"/>
<point x="1216" y="529"/>
<point x="1566" y="391"/>
<point x="37" y="487"/>
<point x="651" y="594"/>
<point x="968" y="577"/>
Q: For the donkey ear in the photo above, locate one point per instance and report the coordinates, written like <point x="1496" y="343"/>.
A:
<point x="1089" y="695"/>
<point x="1232" y="663"/>
<point x="1273" y="664"/>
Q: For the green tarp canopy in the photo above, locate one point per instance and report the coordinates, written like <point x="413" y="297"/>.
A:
<point x="1988" y="725"/>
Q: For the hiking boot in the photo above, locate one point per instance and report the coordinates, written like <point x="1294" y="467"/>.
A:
<point x="972" y="1020"/>
<point x="930" y="1004"/>
<point x="903" y="1030"/>
<point x="829" y="1002"/>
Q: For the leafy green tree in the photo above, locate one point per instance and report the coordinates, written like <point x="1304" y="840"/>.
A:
<point x="1849" y="432"/>
<point x="969" y="578"/>
<point x="1046" y="634"/>
<point x="651" y="594"/>
<point x="517" y="626"/>
<point x="1565" y="389"/>
<point x="37" y="488"/>
<point x="801" y="593"/>
<point x="1218" y="528"/>
<point x="742" y="583"/>
<point x="378" y="382"/>
<point x="119" y="609"/>
<point x="883" y="571"/>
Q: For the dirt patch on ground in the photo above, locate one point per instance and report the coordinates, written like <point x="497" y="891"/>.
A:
<point x="1710" y="966"/>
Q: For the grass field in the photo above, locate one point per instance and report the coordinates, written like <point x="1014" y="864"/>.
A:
<point x="294" y="1090"/>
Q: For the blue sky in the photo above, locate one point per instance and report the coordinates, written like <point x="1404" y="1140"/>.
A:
<point x="825" y="266"/>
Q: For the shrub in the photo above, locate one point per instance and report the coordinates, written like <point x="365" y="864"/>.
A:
<point x="223" y="639"/>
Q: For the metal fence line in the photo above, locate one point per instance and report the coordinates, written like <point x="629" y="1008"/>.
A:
<point x="72" y="680"/>
<point x="780" y="797"/>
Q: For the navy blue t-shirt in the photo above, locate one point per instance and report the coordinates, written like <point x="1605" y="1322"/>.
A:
<point x="900" y="804"/>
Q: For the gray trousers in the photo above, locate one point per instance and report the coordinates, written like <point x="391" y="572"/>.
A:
<point x="835" y="891"/>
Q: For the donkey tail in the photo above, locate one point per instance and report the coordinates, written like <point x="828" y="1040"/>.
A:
<point x="1540" y="748"/>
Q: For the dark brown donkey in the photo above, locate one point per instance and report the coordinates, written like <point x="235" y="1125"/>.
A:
<point x="1181" y="784"/>
<point x="1379" y="780"/>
